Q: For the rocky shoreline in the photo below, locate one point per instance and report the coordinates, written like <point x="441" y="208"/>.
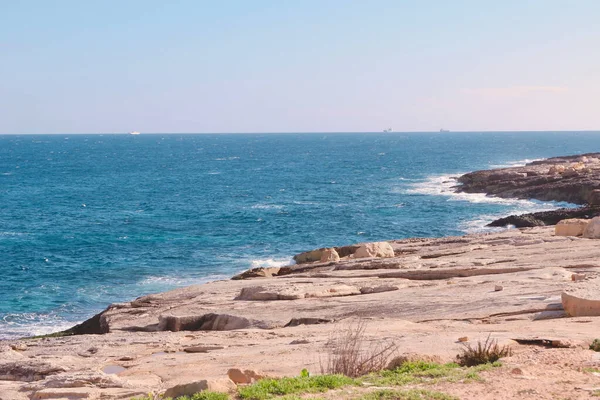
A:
<point x="571" y="179"/>
<point x="520" y="286"/>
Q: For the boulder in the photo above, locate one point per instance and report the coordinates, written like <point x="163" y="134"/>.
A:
<point x="375" y="249"/>
<point x="594" y="197"/>
<point x="308" y="256"/>
<point x="206" y="322"/>
<point x="247" y="376"/>
<point x="592" y="229"/>
<point x="190" y="388"/>
<point x="330" y="255"/>
<point x="570" y="227"/>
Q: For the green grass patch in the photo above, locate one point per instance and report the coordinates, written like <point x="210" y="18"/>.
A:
<point x="204" y="395"/>
<point x="271" y="388"/>
<point x="415" y="394"/>
<point x="426" y="372"/>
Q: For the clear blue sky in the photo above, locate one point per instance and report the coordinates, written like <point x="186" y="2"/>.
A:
<point x="298" y="66"/>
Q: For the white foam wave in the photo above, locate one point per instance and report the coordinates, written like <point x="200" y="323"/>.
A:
<point x="172" y="281"/>
<point x="445" y="185"/>
<point x="517" y="163"/>
<point x="13" y="326"/>
<point x="267" y="206"/>
<point x="271" y="262"/>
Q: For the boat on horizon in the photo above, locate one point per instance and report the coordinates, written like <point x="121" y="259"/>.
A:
<point x="134" y="133"/>
<point x="444" y="130"/>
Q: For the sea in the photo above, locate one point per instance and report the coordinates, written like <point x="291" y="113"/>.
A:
<point x="89" y="220"/>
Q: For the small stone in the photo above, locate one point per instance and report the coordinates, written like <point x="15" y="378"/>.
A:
<point x="516" y="371"/>
<point x="18" y="346"/>
<point x="463" y="339"/>
<point x="577" y="277"/>
<point x="498" y="288"/>
<point x="300" y="341"/>
<point x="202" y="349"/>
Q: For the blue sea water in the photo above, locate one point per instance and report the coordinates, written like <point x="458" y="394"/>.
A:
<point x="87" y="220"/>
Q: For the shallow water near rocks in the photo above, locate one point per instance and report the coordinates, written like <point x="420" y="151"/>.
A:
<point x="88" y="220"/>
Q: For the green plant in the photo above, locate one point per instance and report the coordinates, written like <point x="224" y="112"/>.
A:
<point x="270" y="388"/>
<point x="414" y="394"/>
<point x="204" y="395"/>
<point x="484" y="353"/>
<point x="595" y="345"/>
<point x="304" y="373"/>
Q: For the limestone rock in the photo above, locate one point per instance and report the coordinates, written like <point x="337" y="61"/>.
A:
<point x="244" y="377"/>
<point x="27" y="370"/>
<point x="583" y="301"/>
<point x="378" y="289"/>
<point x="570" y="227"/>
<point x="262" y="272"/>
<point x="189" y="388"/>
<point x="329" y="255"/>
<point x="592" y="229"/>
<point x="594" y="197"/>
<point x="79" y="379"/>
<point x="375" y="249"/>
<point x="308" y="256"/>
<point x="206" y="322"/>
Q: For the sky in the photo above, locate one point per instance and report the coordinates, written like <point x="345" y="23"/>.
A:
<point x="194" y="66"/>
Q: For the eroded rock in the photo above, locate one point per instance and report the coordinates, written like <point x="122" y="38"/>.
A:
<point x="329" y="255"/>
<point x="375" y="249"/>
<point x="206" y="322"/>
<point x="570" y="227"/>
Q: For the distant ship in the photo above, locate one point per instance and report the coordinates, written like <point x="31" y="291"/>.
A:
<point x="388" y="130"/>
<point x="134" y="133"/>
<point x="444" y="130"/>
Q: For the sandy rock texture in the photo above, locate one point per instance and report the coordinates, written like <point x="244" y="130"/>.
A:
<point x="425" y="297"/>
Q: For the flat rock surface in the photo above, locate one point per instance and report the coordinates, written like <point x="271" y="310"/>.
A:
<point x="431" y="293"/>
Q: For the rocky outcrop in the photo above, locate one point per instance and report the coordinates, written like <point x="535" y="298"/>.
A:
<point x="546" y="217"/>
<point x="571" y="179"/>
<point x="376" y="249"/>
<point x="570" y="227"/>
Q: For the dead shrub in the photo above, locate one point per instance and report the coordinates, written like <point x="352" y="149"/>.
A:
<point x="350" y="353"/>
<point x="484" y="353"/>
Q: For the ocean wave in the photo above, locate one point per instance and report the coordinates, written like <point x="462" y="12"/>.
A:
<point x="17" y="325"/>
<point x="445" y="185"/>
<point x="267" y="206"/>
<point x="173" y="281"/>
<point x="271" y="262"/>
<point x="517" y="163"/>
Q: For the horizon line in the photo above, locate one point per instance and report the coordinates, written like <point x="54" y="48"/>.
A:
<point x="304" y="132"/>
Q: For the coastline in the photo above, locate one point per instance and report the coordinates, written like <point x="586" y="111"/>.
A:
<point x="278" y="319"/>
